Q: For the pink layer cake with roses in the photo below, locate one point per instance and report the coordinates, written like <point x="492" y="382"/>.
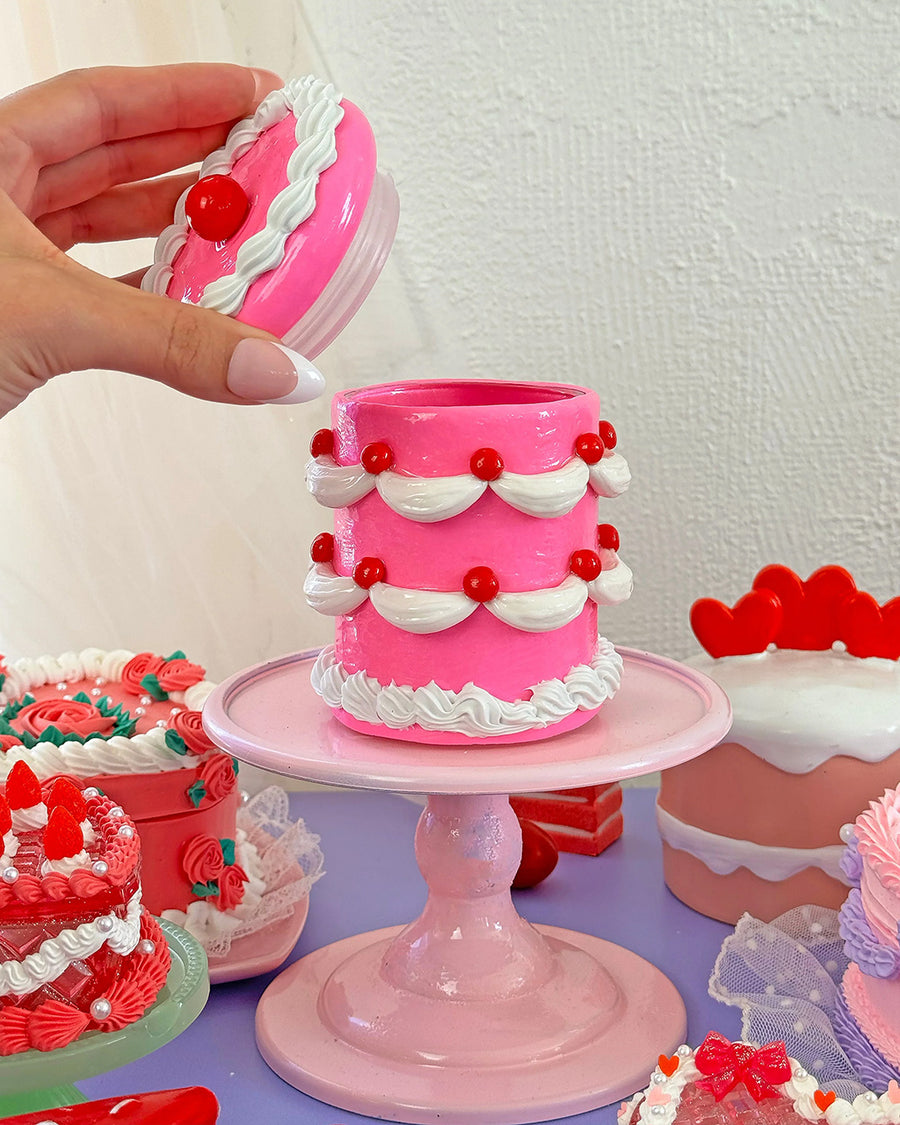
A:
<point x="466" y="566"/>
<point x="812" y="670"/>
<point x="129" y="725"/>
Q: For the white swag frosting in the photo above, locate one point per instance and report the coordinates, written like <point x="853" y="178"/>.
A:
<point x="431" y="499"/>
<point x="316" y="105"/>
<point x="471" y="711"/>
<point x="51" y="959"/>
<point x="432" y="611"/>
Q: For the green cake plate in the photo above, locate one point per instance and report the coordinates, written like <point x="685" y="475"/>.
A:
<point x="36" y="1080"/>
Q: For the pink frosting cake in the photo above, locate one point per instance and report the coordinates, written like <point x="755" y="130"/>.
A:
<point x="290" y="222"/>
<point x="466" y="565"/>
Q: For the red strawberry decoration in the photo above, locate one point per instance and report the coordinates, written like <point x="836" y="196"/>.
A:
<point x="22" y="787"/>
<point x="539" y="855"/>
<point x="750" y="626"/>
<point x="62" y="837"/>
<point x="811" y="608"/>
<point x="5" y="816"/>
<point x="868" y="629"/>
<point x="65" y="794"/>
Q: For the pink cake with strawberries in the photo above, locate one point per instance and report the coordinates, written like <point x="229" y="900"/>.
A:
<point x="78" y="950"/>
<point x="466" y="566"/>
<point x="289" y="223"/>
<point x="812" y="669"/>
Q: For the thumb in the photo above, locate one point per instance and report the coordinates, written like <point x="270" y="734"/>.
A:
<point x="77" y="319"/>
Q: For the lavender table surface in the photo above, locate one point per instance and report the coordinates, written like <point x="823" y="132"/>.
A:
<point x="372" y="881"/>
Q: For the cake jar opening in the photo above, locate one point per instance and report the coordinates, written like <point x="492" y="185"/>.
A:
<point x="442" y="394"/>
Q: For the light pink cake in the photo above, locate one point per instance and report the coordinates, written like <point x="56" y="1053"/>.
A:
<point x="466" y="565"/>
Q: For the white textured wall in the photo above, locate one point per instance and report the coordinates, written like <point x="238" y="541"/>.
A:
<point x="692" y="206"/>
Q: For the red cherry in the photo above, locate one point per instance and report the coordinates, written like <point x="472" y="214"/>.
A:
<point x="585" y="564"/>
<point x="377" y="457"/>
<point x="63" y="836"/>
<point x="322" y="444"/>
<point x="480" y="584"/>
<point x="22" y="787"/>
<point x="608" y="435"/>
<point x="368" y="571"/>
<point x="607" y="536"/>
<point x="322" y="549"/>
<point x="539" y="855"/>
<point x="486" y="464"/>
<point x="5" y="817"/>
<point x="589" y="448"/>
<point x="68" y="796"/>
<point x="216" y="207"/>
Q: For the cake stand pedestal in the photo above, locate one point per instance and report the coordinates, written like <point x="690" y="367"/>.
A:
<point x="468" y="1014"/>
<point x="37" y="1080"/>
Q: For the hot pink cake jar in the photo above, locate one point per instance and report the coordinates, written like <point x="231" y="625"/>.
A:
<point x="467" y="564"/>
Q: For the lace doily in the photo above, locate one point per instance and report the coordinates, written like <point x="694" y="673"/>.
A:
<point x="785" y="976"/>
<point x="282" y="860"/>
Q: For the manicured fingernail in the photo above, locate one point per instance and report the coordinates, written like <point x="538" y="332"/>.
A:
<point x="266" y="81"/>
<point x="262" y="371"/>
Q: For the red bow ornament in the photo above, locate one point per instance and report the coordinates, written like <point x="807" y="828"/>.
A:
<point x="725" y="1064"/>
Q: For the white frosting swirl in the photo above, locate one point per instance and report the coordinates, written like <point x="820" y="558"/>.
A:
<point x="420" y="611"/>
<point x="51" y="959"/>
<point x="610" y="477"/>
<point x="317" y="108"/>
<point x="67" y="864"/>
<point x="471" y="711"/>
<point x="28" y="819"/>
<point x="337" y="486"/>
<point x="424" y="499"/>
<point x="330" y="593"/>
<point x="10" y="846"/>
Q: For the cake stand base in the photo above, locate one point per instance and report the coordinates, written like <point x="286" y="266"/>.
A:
<point x="37" y="1080"/>
<point x="525" y="1063"/>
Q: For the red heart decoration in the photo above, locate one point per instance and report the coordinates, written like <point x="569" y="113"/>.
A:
<point x="750" y="626"/>
<point x="823" y="1100"/>
<point x="868" y="629"/>
<point x="668" y="1065"/>
<point x="811" y="608"/>
<point x="539" y="855"/>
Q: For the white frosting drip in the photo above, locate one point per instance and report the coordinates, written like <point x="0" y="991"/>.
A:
<point x="67" y="864"/>
<point x="472" y="711"/>
<point x="316" y="106"/>
<point x="796" y="709"/>
<point x="26" y="820"/>
<point x="56" y="954"/>
<point x="430" y="499"/>
<point x="723" y="855"/>
<point x="9" y="849"/>
<point x="431" y="611"/>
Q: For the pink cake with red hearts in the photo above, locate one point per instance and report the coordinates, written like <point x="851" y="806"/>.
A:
<point x="289" y="223"/>
<point x="466" y="566"/>
<point x="78" y="950"/>
<point x="812" y="670"/>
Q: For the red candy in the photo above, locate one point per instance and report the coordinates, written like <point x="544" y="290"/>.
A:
<point x="216" y="207"/>
<point x="608" y="435"/>
<point x="607" y="537"/>
<point x="322" y="549"/>
<point x="377" y="457"/>
<point x="480" y="584"/>
<point x="63" y="837"/>
<point x="585" y="564"/>
<point x="322" y="444"/>
<point x="539" y="855"/>
<point x="368" y="571"/>
<point x="486" y="464"/>
<point x="589" y="448"/>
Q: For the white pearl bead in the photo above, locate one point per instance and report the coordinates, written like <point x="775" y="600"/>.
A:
<point x="126" y="832"/>
<point x="147" y="946"/>
<point x="658" y="1078"/>
<point x="161" y="723"/>
<point x="871" y="1097"/>
<point x="800" y="1073"/>
<point x="61" y="686"/>
<point x="146" y="700"/>
<point x="95" y="691"/>
<point x="658" y="1110"/>
<point x="91" y="791"/>
<point x="174" y="710"/>
<point x="101" y="1008"/>
<point x="105" y="924"/>
<point x="846" y="832"/>
<point x="684" y="1050"/>
<point x="99" y="681"/>
<point x="117" y="811"/>
<point x="10" y="874"/>
<point x="139" y="710"/>
<point x="99" y="867"/>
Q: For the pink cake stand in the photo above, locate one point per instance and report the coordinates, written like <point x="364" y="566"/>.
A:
<point x="469" y="1013"/>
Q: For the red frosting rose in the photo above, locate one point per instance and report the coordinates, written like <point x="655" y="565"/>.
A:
<point x="231" y="887"/>
<point x="217" y="775"/>
<point x="178" y="674"/>
<point x="68" y="716"/>
<point x="7" y="741"/>
<point x="202" y="859"/>
<point x="189" y="726"/>
<point x="144" y="664"/>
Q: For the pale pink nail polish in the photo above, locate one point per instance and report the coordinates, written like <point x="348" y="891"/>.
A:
<point x="263" y="371"/>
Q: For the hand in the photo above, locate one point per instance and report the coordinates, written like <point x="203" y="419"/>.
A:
<point x="83" y="158"/>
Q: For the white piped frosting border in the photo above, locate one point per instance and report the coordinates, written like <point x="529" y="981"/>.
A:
<point x="316" y="105"/>
<point x="472" y="711"/>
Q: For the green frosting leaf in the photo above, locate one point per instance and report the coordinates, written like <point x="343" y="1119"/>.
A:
<point x="235" y="765"/>
<point x="82" y="697"/>
<point x="197" y="792"/>
<point x="176" y="655"/>
<point x="228" y="852"/>
<point x="150" y="684"/>
<point x="175" y="742"/>
<point x="205" y="890"/>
